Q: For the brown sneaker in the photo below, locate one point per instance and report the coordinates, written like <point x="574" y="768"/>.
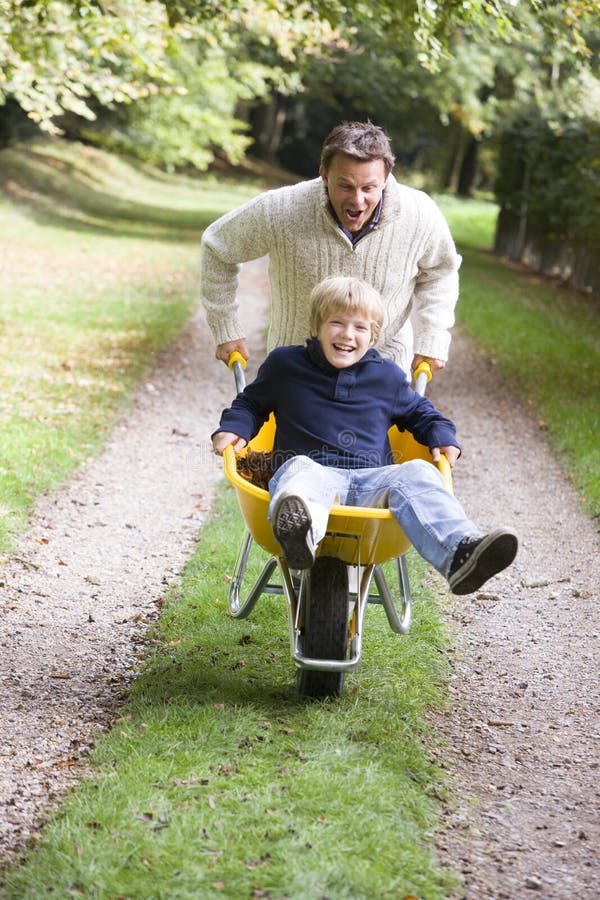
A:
<point x="292" y="528"/>
<point x="477" y="559"/>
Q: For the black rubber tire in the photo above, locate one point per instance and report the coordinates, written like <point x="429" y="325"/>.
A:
<point x="325" y="626"/>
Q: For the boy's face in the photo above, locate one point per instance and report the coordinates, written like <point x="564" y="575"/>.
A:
<point x="345" y="338"/>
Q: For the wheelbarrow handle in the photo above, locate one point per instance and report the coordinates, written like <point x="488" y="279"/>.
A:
<point x="445" y="470"/>
<point x="237" y="364"/>
<point x="422" y="376"/>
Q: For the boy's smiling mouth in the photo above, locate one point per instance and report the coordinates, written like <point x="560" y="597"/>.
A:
<point x="343" y="348"/>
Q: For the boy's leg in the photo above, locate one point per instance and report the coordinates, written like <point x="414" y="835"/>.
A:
<point x="302" y="493"/>
<point x="436" y="523"/>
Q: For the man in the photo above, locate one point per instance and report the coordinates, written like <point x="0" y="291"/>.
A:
<point x="354" y="220"/>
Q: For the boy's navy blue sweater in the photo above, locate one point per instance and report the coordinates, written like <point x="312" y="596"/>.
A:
<point x="338" y="417"/>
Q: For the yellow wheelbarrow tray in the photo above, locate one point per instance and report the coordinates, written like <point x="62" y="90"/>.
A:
<point x="359" y="540"/>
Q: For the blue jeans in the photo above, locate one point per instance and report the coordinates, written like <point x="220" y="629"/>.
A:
<point x="432" y="518"/>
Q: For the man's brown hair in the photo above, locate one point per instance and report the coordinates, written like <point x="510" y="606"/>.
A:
<point x="361" y="140"/>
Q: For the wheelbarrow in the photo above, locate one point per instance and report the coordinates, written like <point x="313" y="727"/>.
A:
<point x="326" y="603"/>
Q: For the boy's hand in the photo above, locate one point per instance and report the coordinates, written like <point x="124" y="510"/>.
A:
<point x="450" y="452"/>
<point x="224" y="438"/>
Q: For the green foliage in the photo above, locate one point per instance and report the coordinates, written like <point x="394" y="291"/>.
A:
<point x="552" y="169"/>
<point x="219" y="778"/>
<point x="187" y="73"/>
<point x="184" y="127"/>
<point x="56" y="56"/>
<point x="544" y="339"/>
<point x="176" y="81"/>
<point x="548" y="188"/>
<point x="434" y="112"/>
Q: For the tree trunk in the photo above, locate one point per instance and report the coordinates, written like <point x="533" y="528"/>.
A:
<point x="15" y="125"/>
<point x="268" y="120"/>
<point x="468" y="169"/>
<point x="457" y="141"/>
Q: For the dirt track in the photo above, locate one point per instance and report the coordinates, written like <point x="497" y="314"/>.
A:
<point x="524" y="730"/>
<point x="523" y="734"/>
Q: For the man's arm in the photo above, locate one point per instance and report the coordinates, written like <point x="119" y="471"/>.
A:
<point x="436" y="293"/>
<point x="237" y="237"/>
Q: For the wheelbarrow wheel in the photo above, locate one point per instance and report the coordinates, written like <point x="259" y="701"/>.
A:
<point x="325" y="626"/>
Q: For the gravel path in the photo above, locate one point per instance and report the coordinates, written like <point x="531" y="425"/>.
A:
<point x="523" y="731"/>
<point x="524" y="728"/>
<point x="88" y="577"/>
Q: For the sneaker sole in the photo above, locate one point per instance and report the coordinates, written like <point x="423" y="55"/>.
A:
<point x="291" y="526"/>
<point x="496" y="551"/>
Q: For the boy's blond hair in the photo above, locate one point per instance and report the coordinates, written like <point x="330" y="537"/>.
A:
<point x="340" y="293"/>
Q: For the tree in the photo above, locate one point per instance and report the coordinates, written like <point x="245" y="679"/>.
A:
<point x="168" y="60"/>
<point x="182" y="69"/>
<point x="486" y="72"/>
<point x="548" y="187"/>
<point x="486" y="82"/>
<point x="56" y="55"/>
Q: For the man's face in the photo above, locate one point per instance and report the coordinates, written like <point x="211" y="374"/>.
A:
<point x="354" y="189"/>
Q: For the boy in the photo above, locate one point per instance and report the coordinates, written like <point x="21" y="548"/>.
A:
<point x="334" y="400"/>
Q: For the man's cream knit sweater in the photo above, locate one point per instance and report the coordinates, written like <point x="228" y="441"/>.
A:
<point x="409" y="257"/>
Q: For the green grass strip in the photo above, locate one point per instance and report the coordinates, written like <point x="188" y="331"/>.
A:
<point x="219" y="780"/>
<point x="100" y="265"/>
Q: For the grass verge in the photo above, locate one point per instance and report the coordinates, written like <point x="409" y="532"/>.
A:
<point x="87" y="299"/>
<point x="219" y="781"/>
<point x="543" y="338"/>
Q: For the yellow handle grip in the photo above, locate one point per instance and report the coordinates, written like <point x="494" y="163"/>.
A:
<point x="234" y="357"/>
<point x="423" y="369"/>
